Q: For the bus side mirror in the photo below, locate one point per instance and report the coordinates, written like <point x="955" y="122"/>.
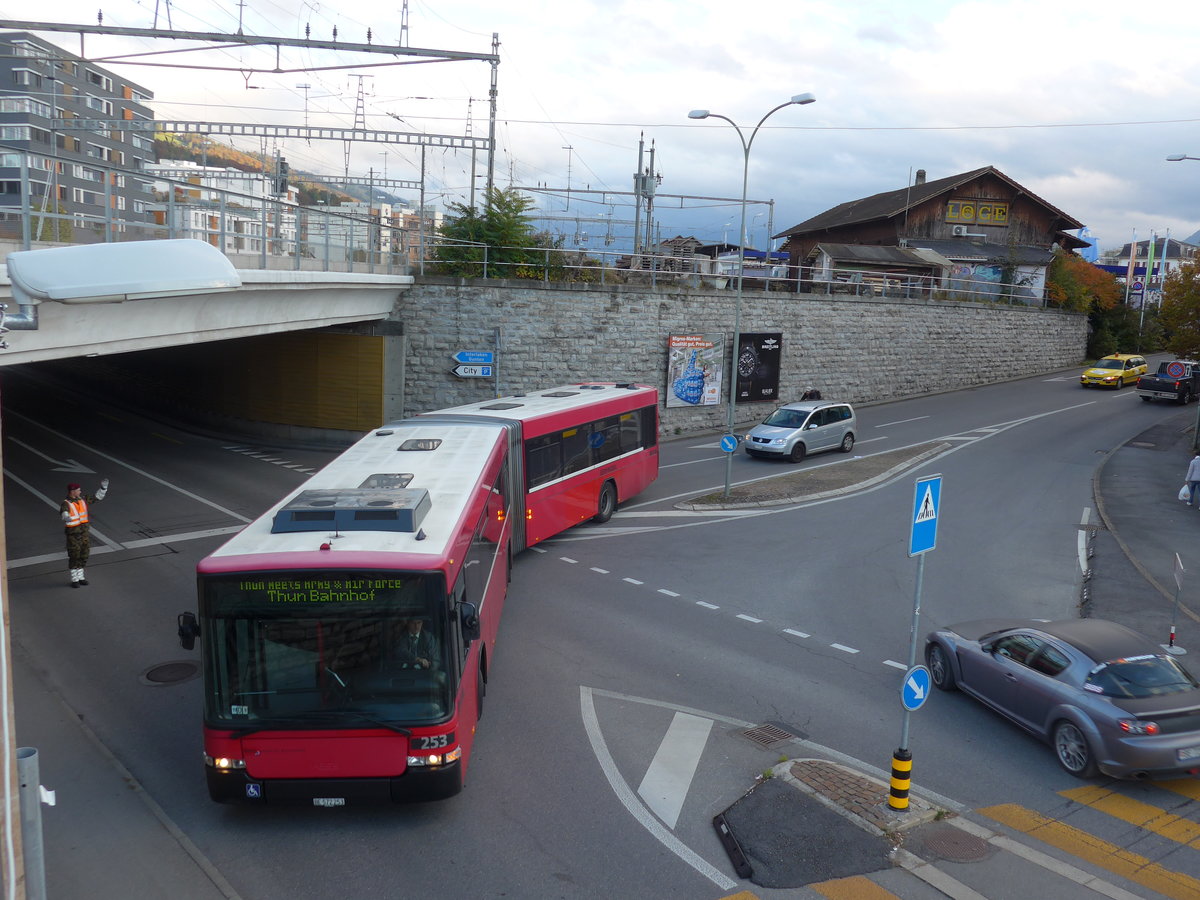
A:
<point x="189" y="630"/>
<point x="468" y="617"/>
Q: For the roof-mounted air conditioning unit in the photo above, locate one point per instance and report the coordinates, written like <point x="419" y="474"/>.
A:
<point x="959" y="230"/>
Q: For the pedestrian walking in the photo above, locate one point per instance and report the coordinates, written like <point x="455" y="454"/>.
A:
<point x="74" y="511"/>
<point x="1193" y="479"/>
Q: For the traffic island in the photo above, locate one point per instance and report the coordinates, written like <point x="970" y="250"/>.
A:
<point x="820" y="482"/>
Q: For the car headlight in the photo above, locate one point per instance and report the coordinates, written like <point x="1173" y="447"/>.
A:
<point x="1138" y="726"/>
<point x="779" y="441"/>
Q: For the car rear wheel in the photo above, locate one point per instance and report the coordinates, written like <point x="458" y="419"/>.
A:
<point x="1146" y="399"/>
<point x="798" y="452"/>
<point x="1072" y="750"/>
<point x="848" y="442"/>
<point x="939" y="668"/>
<point x="1185" y="398"/>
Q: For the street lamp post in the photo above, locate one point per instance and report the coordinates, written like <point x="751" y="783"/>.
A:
<point x="798" y="100"/>
<point x="1180" y="157"/>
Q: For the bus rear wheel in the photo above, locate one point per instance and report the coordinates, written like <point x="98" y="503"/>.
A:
<point x="607" y="504"/>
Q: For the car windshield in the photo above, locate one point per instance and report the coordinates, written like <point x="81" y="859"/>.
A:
<point x="786" y="418"/>
<point x="1140" y="676"/>
<point x="1109" y="364"/>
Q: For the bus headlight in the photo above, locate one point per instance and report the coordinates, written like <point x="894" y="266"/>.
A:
<point x="225" y="763"/>
<point x="435" y="759"/>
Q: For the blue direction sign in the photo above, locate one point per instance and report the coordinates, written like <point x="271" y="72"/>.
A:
<point x="728" y="443"/>
<point x="472" y="371"/>
<point x="927" y="500"/>
<point x="475" y="357"/>
<point x="915" y="690"/>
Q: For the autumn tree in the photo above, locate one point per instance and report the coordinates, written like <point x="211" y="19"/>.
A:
<point x="1180" y="313"/>
<point x="1074" y="283"/>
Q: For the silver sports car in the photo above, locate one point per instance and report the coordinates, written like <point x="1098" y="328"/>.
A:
<point x="1107" y="698"/>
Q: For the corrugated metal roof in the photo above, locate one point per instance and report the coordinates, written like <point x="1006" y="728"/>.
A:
<point x="875" y="254"/>
<point x="959" y="249"/>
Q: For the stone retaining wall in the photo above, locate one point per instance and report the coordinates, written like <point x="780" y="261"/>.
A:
<point x="852" y="348"/>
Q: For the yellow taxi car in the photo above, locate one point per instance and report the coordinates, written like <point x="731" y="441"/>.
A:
<point x="1114" y="371"/>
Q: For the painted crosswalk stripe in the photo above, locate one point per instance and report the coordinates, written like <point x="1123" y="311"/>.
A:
<point x="665" y="786"/>
<point x="1107" y="856"/>
<point x="1135" y="812"/>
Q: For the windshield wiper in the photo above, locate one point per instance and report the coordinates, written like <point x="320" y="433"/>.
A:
<point x="324" y="716"/>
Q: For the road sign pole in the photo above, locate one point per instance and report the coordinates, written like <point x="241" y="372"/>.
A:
<point x="927" y="502"/>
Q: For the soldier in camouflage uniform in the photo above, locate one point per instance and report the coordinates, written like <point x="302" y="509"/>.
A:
<point x="74" y="512"/>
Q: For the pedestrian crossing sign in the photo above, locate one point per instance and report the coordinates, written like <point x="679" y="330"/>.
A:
<point x="927" y="498"/>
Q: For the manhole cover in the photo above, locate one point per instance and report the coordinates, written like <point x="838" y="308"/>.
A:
<point x="170" y="673"/>
<point x="955" y="845"/>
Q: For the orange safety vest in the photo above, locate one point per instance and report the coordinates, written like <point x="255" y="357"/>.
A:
<point x="78" y="514"/>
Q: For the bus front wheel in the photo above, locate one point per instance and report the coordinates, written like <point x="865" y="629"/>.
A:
<point x="608" y="503"/>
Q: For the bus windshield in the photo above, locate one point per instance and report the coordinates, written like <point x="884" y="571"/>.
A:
<point x="303" y="650"/>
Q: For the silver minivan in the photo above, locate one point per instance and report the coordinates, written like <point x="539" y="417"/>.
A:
<point x="797" y="429"/>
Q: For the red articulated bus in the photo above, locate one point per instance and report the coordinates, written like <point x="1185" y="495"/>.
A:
<point x="346" y="635"/>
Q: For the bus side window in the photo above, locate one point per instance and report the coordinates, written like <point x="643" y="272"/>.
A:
<point x="577" y="452"/>
<point x="543" y="460"/>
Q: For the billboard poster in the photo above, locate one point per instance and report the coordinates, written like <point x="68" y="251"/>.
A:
<point x="694" y="369"/>
<point x="758" y="366"/>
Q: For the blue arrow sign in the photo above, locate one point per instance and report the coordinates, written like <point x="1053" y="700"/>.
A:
<point x="475" y="357"/>
<point x="927" y="499"/>
<point x="915" y="689"/>
<point x="728" y="443"/>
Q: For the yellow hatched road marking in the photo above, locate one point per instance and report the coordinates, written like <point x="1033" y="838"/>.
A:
<point x="741" y="895"/>
<point x="1135" y="812"/>
<point x="854" y="888"/>
<point x="1188" y="787"/>
<point x="1109" y="857"/>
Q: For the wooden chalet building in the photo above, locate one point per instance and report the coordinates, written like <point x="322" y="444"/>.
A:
<point x="978" y="232"/>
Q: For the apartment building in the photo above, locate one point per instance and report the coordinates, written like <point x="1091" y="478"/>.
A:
<point x="83" y="181"/>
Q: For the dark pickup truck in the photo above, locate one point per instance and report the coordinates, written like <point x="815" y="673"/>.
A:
<point x="1177" y="380"/>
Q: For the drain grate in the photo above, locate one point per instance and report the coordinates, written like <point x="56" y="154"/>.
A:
<point x="955" y="845"/>
<point x="170" y="673"/>
<point x="767" y="735"/>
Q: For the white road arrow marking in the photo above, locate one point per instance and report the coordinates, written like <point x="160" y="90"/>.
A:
<point x="68" y="465"/>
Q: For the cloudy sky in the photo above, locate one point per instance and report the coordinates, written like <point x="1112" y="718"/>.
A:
<point x="1080" y="103"/>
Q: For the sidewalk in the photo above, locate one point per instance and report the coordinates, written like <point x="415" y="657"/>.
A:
<point x="105" y="838"/>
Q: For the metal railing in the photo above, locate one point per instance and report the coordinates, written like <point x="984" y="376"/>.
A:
<point x="469" y="260"/>
<point x="255" y="231"/>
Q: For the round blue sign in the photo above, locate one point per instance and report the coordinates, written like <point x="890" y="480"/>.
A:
<point x="729" y="443"/>
<point x="915" y="689"/>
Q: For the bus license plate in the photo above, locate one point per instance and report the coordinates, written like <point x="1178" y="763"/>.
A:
<point x="329" y="801"/>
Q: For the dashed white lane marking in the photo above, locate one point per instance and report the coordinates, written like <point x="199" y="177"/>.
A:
<point x="745" y="617"/>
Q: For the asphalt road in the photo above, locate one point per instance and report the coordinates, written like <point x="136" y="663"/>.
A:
<point x="665" y="623"/>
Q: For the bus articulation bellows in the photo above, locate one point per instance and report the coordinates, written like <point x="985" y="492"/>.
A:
<point x="346" y="635"/>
